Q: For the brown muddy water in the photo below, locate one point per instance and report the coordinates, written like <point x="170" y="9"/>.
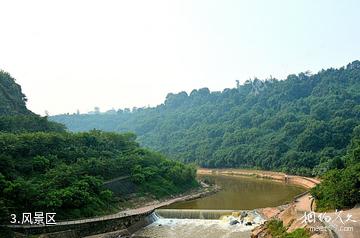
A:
<point x="243" y="193"/>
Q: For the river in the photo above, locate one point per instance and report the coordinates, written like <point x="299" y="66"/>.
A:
<point x="238" y="193"/>
<point x="243" y="193"/>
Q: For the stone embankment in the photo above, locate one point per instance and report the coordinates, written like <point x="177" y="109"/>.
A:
<point x="291" y="179"/>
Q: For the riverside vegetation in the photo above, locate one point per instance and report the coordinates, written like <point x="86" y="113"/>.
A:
<point x="45" y="168"/>
<point x="277" y="230"/>
<point x="307" y="124"/>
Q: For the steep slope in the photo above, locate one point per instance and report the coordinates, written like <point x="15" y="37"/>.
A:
<point x="14" y="116"/>
<point x="12" y="100"/>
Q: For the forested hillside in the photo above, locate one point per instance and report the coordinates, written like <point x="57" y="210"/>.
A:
<point x="45" y="168"/>
<point x="300" y="125"/>
<point x="340" y="188"/>
<point x="64" y="172"/>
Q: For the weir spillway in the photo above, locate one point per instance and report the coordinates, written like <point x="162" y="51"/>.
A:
<point x="189" y="223"/>
<point x="195" y="213"/>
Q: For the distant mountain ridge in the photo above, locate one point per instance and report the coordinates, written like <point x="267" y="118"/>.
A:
<point x="299" y="125"/>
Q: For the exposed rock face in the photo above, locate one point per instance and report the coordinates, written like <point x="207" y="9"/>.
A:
<point x="243" y="214"/>
<point x="291" y="219"/>
<point x="270" y="212"/>
<point x="249" y="219"/>
<point x="261" y="232"/>
<point x="234" y="222"/>
<point x="288" y="216"/>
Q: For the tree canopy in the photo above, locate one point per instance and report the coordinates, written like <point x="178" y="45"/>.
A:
<point x="12" y="100"/>
<point x="45" y="168"/>
<point x="64" y="172"/>
<point x="300" y="125"/>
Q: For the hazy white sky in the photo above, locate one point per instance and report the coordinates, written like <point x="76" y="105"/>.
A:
<point x="70" y="55"/>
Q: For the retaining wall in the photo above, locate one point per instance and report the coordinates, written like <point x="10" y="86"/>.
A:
<point x="84" y="229"/>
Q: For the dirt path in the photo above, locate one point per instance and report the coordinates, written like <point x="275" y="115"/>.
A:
<point x="303" y="203"/>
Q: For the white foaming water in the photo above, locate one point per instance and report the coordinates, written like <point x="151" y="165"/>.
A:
<point x="199" y="228"/>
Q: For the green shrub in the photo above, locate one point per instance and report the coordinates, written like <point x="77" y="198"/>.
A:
<point x="277" y="230"/>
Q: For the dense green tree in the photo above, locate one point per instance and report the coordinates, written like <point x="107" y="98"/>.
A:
<point x="64" y="172"/>
<point x="273" y="124"/>
<point x="12" y="100"/>
<point x="340" y="186"/>
<point x="45" y="168"/>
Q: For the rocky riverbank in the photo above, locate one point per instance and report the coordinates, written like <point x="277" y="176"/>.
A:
<point x="291" y="219"/>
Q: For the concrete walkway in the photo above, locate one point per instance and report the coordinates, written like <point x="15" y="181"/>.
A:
<point x="128" y="212"/>
<point x="338" y="223"/>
